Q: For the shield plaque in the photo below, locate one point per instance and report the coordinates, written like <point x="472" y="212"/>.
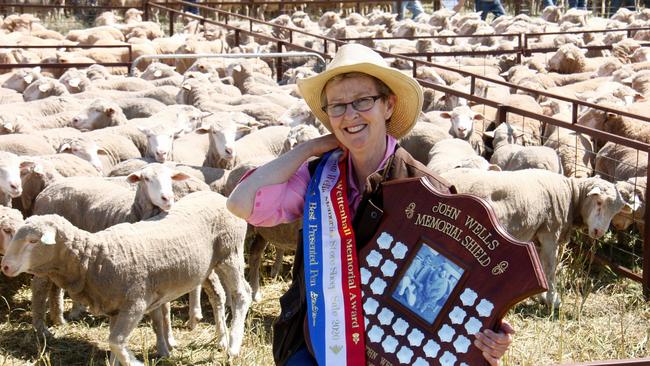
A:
<point x="439" y="270"/>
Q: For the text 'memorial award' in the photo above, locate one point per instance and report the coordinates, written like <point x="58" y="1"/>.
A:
<point x="439" y="270"/>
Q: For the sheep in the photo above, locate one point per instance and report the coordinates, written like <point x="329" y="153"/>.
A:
<point x="615" y="123"/>
<point x="11" y="169"/>
<point x="299" y="134"/>
<point x="551" y="205"/>
<point x="103" y="150"/>
<point x="616" y="162"/>
<point x="508" y="155"/>
<point x="10" y="220"/>
<point x="165" y="94"/>
<point x="20" y="79"/>
<point x="419" y="141"/>
<point x="202" y="235"/>
<point x="300" y="114"/>
<point x="462" y="126"/>
<point x="43" y="88"/>
<point x="452" y="154"/>
<point x="633" y="189"/>
<point x="25" y="144"/>
<point x="157" y="189"/>
<point x="45" y="170"/>
<point x="100" y="113"/>
<point x="39" y="108"/>
<point x="206" y="174"/>
<point x="32" y="125"/>
<point x="568" y="59"/>
<point x="157" y="70"/>
<point x="575" y="150"/>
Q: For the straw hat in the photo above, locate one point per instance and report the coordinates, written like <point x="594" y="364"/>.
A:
<point x="354" y="57"/>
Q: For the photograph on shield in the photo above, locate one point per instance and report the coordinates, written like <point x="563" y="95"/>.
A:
<point x="427" y="283"/>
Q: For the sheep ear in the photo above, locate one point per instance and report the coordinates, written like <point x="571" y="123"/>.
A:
<point x="65" y="147"/>
<point x="445" y="115"/>
<point x="134" y="177"/>
<point x="186" y="86"/>
<point x="44" y="87"/>
<point x="157" y="73"/>
<point x="180" y="176"/>
<point x="202" y="129"/>
<point x="639" y="97"/>
<point x="74" y="82"/>
<point x="595" y="190"/>
<point x="37" y="69"/>
<point x="28" y="78"/>
<point x="489" y="133"/>
<point x="101" y="151"/>
<point x="478" y="117"/>
<point x="8" y="126"/>
<point x="109" y="111"/>
<point x="49" y="237"/>
<point x="494" y="167"/>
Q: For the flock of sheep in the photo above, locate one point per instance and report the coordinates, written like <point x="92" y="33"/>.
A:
<point x="118" y="183"/>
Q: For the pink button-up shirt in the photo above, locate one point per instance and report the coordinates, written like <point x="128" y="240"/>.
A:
<point x="281" y="203"/>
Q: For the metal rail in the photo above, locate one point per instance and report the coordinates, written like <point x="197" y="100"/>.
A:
<point x="68" y="65"/>
<point x="226" y="55"/>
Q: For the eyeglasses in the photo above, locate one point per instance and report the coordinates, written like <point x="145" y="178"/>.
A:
<point x="360" y="105"/>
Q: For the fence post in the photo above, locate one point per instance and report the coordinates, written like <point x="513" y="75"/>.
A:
<point x="278" y="64"/>
<point x="145" y="9"/>
<point x="502" y="113"/>
<point x="646" y="245"/>
<point x="171" y="22"/>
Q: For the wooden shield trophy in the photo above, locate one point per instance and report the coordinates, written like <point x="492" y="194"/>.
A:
<point x="439" y="270"/>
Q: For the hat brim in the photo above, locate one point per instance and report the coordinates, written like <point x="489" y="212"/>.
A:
<point x="407" y="90"/>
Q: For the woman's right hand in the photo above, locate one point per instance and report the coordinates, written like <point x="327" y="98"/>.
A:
<point x="323" y="144"/>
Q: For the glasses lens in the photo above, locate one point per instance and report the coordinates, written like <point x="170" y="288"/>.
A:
<point x="336" y="110"/>
<point x="363" y="104"/>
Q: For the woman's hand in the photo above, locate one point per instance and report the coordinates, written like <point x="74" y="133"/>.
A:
<point x="494" y="345"/>
<point x="323" y="144"/>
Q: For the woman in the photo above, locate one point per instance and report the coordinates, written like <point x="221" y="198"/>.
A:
<point x="367" y="106"/>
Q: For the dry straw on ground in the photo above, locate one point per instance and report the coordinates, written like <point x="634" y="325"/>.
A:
<point x="602" y="317"/>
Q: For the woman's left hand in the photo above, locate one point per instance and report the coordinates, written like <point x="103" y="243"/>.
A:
<point x="494" y="345"/>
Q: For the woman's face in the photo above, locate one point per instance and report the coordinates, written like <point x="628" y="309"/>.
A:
<point x="359" y="131"/>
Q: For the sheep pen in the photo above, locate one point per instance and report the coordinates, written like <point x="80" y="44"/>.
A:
<point x="602" y="316"/>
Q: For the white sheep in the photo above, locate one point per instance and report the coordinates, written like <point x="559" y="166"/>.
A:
<point x="455" y="153"/>
<point x="462" y="126"/>
<point x="200" y="232"/>
<point x="509" y="155"/>
<point x="616" y="162"/>
<point x="94" y="204"/>
<point x="224" y="152"/>
<point x="422" y="137"/>
<point x="539" y="205"/>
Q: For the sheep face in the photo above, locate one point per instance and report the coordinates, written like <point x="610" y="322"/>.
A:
<point x="10" y="220"/>
<point x="84" y="149"/>
<point x="601" y="201"/>
<point x="222" y="136"/>
<point x="159" y="143"/>
<point x="634" y="192"/>
<point x="32" y="246"/>
<point x="99" y="114"/>
<point x="156" y="180"/>
<point x="10" y="169"/>
<point x="298" y="114"/>
<point x="462" y="121"/>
